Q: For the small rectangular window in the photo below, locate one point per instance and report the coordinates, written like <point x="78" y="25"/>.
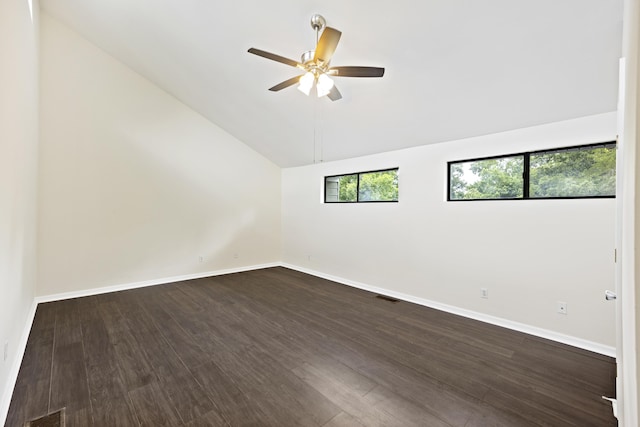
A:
<point x="576" y="172"/>
<point x="487" y="179"/>
<point x="587" y="171"/>
<point x="375" y="186"/>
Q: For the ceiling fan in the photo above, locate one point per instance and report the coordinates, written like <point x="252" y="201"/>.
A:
<point x="316" y="64"/>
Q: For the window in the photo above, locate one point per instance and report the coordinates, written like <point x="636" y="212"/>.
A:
<point x="493" y="178"/>
<point x="375" y="186"/>
<point x="575" y="172"/>
<point x="587" y="171"/>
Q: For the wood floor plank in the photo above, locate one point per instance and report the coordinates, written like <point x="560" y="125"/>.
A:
<point x="69" y="387"/>
<point x="36" y="363"/>
<point x="114" y="411"/>
<point x="212" y="419"/>
<point x="135" y="370"/>
<point x="160" y="354"/>
<point x="275" y="390"/>
<point x="277" y="347"/>
<point x="579" y="404"/>
<point x="67" y="328"/>
<point x="343" y="419"/>
<point x="187" y="397"/>
<point x="79" y="418"/>
<point x="152" y="407"/>
<point x="230" y="402"/>
<point x="30" y="401"/>
<point x="490" y="416"/>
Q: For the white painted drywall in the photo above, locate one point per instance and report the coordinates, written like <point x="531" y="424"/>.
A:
<point x="529" y="254"/>
<point x="134" y="185"/>
<point x="18" y="179"/>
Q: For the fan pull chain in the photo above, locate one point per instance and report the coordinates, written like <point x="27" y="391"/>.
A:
<point x="318" y="134"/>
<point x="321" y="133"/>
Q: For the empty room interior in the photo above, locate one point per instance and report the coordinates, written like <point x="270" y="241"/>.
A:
<point x="305" y="213"/>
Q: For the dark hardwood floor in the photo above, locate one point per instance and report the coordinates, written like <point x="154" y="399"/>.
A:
<point x="276" y="347"/>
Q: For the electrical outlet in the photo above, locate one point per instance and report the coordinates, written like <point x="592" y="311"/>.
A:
<point x="6" y="351"/>
<point x="561" y="307"/>
<point x="484" y="293"/>
<point x="236" y="256"/>
<point x="309" y="257"/>
<point x="201" y="258"/>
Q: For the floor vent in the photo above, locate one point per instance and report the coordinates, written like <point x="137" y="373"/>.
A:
<point x="55" y="419"/>
<point x="386" y="298"/>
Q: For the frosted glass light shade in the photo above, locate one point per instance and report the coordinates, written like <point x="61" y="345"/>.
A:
<point x="306" y="83"/>
<point x="324" y="85"/>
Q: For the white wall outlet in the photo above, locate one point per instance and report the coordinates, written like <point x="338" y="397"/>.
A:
<point x="201" y="258"/>
<point x="236" y="256"/>
<point x="561" y="307"/>
<point x="309" y="257"/>
<point x="6" y="351"/>
<point x="484" y="293"/>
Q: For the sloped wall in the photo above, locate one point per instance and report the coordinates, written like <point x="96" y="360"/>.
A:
<point x="135" y="186"/>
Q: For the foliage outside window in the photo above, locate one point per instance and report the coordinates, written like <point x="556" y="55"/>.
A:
<point x="375" y="186"/>
<point x="577" y="172"/>
<point x="498" y="178"/>
<point x="587" y="171"/>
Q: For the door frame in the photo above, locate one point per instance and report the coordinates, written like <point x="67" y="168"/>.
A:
<point x="627" y="233"/>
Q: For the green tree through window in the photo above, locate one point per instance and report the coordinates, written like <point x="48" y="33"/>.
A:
<point x="376" y="186"/>
<point x="574" y="173"/>
<point x="488" y="179"/>
<point x="586" y="171"/>
<point x="348" y="187"/>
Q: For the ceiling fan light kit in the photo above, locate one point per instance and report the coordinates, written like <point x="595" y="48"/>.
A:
<point x="324" y="85"/>
<point x="306" y="82"/>
<point x="315" y="64"/>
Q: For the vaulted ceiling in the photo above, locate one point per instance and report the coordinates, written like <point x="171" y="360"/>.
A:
<point x="454" y="68"/>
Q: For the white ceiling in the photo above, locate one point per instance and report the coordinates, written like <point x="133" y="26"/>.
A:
<point x="454" y="68"/>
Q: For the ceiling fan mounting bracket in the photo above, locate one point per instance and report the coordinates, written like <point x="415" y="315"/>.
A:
<point x="318" y="22"/>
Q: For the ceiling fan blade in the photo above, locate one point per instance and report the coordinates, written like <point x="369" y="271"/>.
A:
<point x="335" y="94"/>
<point x="274" y="57"/>
<point x="327" y="45"/>
<point x="356" y="71"/>
<point x="285" y="84"/>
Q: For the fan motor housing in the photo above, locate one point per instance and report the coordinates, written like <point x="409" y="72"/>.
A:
<point x="307" y="57"/>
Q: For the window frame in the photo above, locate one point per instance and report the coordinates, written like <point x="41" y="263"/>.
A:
<point x="526" y="155"/>
<point x="324" y="186"/>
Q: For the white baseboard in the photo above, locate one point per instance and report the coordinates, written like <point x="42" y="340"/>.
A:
<point x="498" y="321"/>
<point x="154" y="282"/>
<point x="7" y="393"/>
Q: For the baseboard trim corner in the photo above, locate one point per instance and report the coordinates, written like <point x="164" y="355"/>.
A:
<point x="146" y="283"/>
<point x="7" y="393"/>
<point x="498" y="321"/>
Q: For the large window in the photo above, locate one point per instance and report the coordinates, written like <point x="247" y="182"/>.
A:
<point x="374" y="186"/>
<point x="587" y="171"/>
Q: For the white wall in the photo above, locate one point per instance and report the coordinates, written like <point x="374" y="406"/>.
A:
<point x="135" y="186"/>
<point x="528" y="253"/>
<point x="18" y="178"/>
